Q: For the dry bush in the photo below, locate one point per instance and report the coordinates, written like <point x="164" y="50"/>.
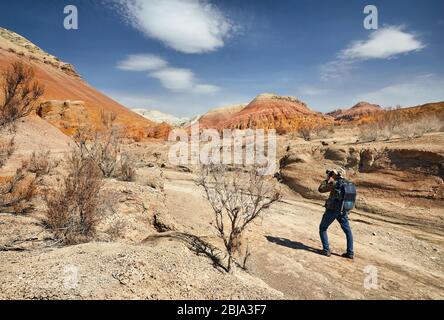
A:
<point x="306" y="133"/>
<point x="236" y="200"/>
<point x="41" y="163"/>
<point x="73" y="209"/>
<point x="126" y="171"/>
<point x="103" y="147"/>
<point x="19" y="99"/>
<point x="20" y="94"/>
<point x="7" y="148"/>
<point x="421" y="126"/>
<point x="368" y="132"/>
<point x="106" y="148"/>
<point x="308" y="130"/>
<point x="16" y="192"/>
<point x="394" y="123"/>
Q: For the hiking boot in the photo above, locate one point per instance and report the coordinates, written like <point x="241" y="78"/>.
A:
<point x="326" y="253"/>
<point x="348" y="256"/>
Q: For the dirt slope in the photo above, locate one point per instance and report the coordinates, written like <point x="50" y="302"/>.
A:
<point x="63" y="83"/>
<point x="216" y="117"/>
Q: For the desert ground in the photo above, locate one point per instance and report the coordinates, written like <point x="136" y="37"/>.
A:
<point x="162" y="214"/>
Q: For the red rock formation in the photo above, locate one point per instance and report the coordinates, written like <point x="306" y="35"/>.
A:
<point x="356" y="112"/>
<point x="268" y="111"/>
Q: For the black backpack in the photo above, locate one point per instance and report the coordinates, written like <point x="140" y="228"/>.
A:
<point x="345" y="198"/>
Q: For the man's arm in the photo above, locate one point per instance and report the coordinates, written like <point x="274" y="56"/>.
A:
<point x="326" y="186"/>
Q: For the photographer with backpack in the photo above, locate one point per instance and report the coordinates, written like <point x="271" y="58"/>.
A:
<point x="338" y="205"/>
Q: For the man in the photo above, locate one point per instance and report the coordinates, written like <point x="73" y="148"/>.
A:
<point x="335" y="211"/>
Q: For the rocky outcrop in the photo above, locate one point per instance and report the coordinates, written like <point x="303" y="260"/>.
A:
<point x="65" y="115"/>
<point x="22" y="47"/>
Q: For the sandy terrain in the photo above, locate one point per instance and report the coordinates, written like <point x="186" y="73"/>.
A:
<point x="163" y="211"/>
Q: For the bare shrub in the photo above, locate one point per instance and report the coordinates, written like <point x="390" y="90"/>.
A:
<point x="16" y="192"/>
<point x="126" y="171"/>
<point x="426" y="124"/>
<point x="393" y="123"/>
<point x="306" y="133"/>
<point x="20" y="94"/>
<point x="72" y="210"/>
<point x="41" y="163"/>
<point x="236" y="200"/>
<point x="103" y="147"/>
<point x="368" y="132"/>
<point x="7" y="148"/>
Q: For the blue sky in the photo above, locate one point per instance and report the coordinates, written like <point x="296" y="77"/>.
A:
<point x="187" y="56"/>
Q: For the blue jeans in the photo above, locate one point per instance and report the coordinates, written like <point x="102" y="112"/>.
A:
<point x="327" y="220"/>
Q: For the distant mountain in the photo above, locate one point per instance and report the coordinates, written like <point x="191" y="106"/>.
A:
<point x="359" y="110"/>
<point x="270" y="111"/>
<point x="159" y="117"/>
<point x="69" y="97"/>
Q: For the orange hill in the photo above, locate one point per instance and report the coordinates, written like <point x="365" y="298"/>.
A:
<point x="359" y="110"/>
<point x="65" y="88"/>
<point x="269" y="111"/>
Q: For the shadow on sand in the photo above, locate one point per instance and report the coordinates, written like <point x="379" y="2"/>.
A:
<point x="292" y="244"/>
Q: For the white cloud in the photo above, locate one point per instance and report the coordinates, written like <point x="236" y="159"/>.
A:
<point x="383" y="43"/>
<point x="175" y="79"/>
<point x="206" y="89"/>
<point x="337" y="69"/>
<point x="420" y="90"/>
<point x="141" y="62"/>
<point x="189" y="26"/>
<point x="182" y="80"/>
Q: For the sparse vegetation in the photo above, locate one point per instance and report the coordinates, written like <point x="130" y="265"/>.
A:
<point x="309" y="130"/>
<point x="19" y="98"/>
<point x="73" y="209"/>
<point x="104" y="148"/>
<point x="393" y="123"/>
<point x="236" y="200"/>
<point x="20" y="94"/>
<point x="7" y="148"/>
<point x="126" y="171"/>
